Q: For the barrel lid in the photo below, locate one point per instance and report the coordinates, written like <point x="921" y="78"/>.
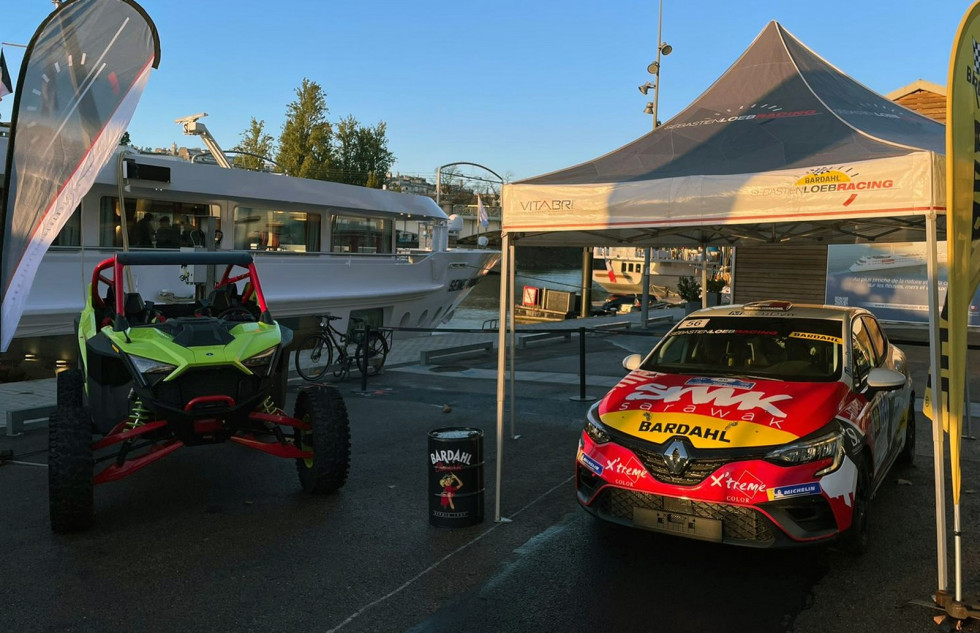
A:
<point x="455" y="433"/>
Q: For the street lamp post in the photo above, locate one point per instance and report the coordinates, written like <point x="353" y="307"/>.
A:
<point x="663" y="48"/>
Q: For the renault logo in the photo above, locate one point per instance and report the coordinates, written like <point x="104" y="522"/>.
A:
<point x="675" y="455"/>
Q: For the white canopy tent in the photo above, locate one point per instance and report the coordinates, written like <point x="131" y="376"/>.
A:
<point x="783" y="147"/>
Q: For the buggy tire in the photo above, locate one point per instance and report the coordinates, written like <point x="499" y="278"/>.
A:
<point x="314" y="354"/>
<point x="371" y="354"/>
<point x="70" y="470"/>
<point x="906" y="458"/>
<point x="324" y="410"/>
<point x="71" y="389"/>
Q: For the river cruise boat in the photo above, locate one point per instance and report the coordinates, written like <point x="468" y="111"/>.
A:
<point x="320" y="248"/>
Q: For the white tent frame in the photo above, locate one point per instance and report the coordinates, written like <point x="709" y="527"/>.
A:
<point x="506" y="319"/>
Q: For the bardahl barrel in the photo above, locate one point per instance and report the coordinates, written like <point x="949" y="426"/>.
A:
<point x="455" y="477"/>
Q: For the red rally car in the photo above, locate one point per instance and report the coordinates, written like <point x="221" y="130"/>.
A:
<point x="766" y="424"/>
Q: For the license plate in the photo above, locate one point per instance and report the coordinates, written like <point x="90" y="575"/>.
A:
<point x="677" y="523"/>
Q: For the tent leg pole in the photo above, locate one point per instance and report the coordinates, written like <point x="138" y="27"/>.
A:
<point x="704" y="275"/>
<point x="512" y="327"/>
<point x="501" y="364"/>
<point x="937" y="427"/>
<point x="645" y="297"/>
<point x="957" y="537"/>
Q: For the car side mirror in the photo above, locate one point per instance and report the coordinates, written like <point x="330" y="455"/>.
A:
<point x="880" y="379"/>
<point x="632" y="362"/>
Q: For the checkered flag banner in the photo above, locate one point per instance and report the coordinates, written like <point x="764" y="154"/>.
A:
<point x="976" y="58"/>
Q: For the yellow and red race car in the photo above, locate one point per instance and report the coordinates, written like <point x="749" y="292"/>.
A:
<point x="767" y="424"/>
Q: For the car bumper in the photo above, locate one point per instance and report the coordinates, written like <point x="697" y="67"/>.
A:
<point x="751" y="503"/>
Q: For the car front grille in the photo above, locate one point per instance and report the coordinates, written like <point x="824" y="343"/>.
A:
<point x="695" y="472"/>
<point x="739" y="524"/>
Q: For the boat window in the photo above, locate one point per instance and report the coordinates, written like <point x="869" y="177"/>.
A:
<point x="352" y="234"/>
<point x="258" y="229"/>
<point x="156" y="223"/>
<point x="71" y="233"/>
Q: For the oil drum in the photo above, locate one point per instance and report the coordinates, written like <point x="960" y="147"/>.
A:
<point x="455" y="477"/>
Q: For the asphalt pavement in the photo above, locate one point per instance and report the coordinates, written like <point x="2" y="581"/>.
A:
<point x="221" y="538"/>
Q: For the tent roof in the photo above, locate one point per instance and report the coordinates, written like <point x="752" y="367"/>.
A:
<point x="751" y="151"/>
<point x="779" y="106"/>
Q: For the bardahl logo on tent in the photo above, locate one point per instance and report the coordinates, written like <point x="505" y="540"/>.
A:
<point x="826" y="180"/>
<point x="763" y="112"/>
<point x="547" y="205"/>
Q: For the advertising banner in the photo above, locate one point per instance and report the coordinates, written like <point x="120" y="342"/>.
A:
<point x="888" y="279"/>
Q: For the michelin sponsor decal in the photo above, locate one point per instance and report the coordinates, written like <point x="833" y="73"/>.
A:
<point x="783" y="492"/>
<point x="590" y="463"/>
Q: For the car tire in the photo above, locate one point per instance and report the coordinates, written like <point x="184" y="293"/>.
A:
<point x="855" y="540"/>
<point x="323" y="409"/>
<point x="906" y="458"/>
<point x="70" y="470"/>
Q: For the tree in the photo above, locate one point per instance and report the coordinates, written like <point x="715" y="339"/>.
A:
<point x="305" y="143"/>
<point x="124" y="139"/>
<point x="361" y="155"/>
<point x="453" y="189"/>
<point x="255" y="143"/>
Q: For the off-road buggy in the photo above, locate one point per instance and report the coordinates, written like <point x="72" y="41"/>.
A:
<point x="153" y="378"/>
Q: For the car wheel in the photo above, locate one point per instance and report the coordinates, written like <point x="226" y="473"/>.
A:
<point x="323" y="409"/>
<point x="70" y="469"/>
<point x="907" y="457"/>
<point x="855" y="540"/>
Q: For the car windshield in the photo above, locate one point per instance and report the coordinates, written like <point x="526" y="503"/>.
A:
<point x="798" y="350"/>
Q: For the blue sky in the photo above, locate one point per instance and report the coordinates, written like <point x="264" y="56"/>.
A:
<point x="523" y="87"/>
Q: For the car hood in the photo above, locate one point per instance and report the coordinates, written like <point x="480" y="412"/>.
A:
<point x="720" y="412"/>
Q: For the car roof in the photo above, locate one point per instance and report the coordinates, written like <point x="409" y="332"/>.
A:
<point x="783" y="310"/>
<point x="153" y="258"/>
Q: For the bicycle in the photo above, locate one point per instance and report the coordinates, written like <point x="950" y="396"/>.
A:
<point x="314" y="354"/>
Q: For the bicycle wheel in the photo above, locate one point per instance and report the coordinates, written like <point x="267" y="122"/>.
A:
<point x="314" y="355"/>
<point x="342" y="368"/>
<point x="372" y="354"/>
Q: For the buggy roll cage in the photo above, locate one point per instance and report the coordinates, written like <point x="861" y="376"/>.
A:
<point x="230" y="260"/>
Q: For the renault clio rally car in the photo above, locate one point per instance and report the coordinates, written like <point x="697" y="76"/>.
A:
<point x="767" y="424"/>
<point x="153" y="378"/>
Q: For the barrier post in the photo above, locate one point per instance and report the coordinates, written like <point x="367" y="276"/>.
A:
<point x="581" y="397"/>
<point x="364" y="341"/>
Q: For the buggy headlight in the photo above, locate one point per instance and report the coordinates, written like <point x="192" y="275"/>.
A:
<point x="830" y="446"/>
<point x="593" y="427"/>
<point x="150" y="366"/>
<point x="261" y="362"/>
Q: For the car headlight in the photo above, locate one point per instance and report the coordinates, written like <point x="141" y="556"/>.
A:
<point x="150" y="366"/>
<point x="260" y="362"/>
<point x="593" y="427"/>
<point x="829" y="446"/>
